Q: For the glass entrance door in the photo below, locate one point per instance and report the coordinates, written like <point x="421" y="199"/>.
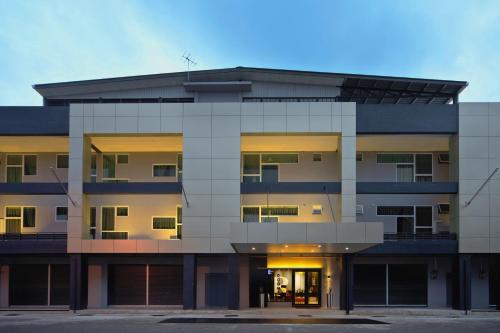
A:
<point x="306" y="287"/>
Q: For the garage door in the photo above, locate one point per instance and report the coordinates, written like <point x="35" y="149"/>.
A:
<point x="128" y="284"/>
<point x="165" y="285"/>
<point x="216" y="289"/>
<point x="29" y="284"/>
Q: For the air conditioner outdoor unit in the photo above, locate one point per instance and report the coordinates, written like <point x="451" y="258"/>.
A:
<point x="359" y="210"/>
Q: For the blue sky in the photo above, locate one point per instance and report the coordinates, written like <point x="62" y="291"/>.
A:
<point x="54" y="41"/>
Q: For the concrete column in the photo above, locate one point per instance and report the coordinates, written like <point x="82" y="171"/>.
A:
<point x="76" y="282"/>
<point x="4" y="286"/>
<point x="189" y="282"/>
<point x="346" y="284"/>
<point x="347" y="154"/>
<point x="464" y="281"/>
<point x="233" y="282"/>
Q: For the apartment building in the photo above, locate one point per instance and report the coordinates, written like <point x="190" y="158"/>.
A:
<point x="233" y="187"/>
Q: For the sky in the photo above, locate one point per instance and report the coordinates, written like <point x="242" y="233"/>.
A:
<point x="69" y="40"/>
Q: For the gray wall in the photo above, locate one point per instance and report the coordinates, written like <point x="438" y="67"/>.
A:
<point x="370" y="202"/>
<point x="369" y="170"/>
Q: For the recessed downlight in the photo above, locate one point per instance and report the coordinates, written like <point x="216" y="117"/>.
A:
<point x="253" y="248"/>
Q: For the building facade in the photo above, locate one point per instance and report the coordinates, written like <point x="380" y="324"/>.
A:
<point x="241" y="186"/>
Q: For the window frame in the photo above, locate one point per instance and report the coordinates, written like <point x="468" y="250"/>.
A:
<point x="315" y="155"/>
<point x="361" y="156"/>
<point x="242" y="174"/>
<point x="55" y="214"/>
<point x="121" y="154"/>
<point x="414" y="216"/>
<point x="439" y="208"/>
<point x="163" y="164"/>
<point x="21" y="166"/>
<point x="36" y="165"/>
<point x="115" y="216"/>
<point x="57" y="161"/>
<point x="163" y="216"/>
<point x="265" y="206"/>
<point x="414" y="164"/>
<point x="122" y="206"/>
<point x="21" y="217"/>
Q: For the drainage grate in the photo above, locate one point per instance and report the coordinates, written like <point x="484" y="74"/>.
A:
<point x="293" y="321"/>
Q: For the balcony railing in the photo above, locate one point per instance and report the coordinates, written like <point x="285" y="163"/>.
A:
<point x="419" y="236"/>
<point x="34" y="236"/>
<point x="114" y="235"/>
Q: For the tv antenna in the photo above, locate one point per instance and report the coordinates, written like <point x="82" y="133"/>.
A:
<point x="189" y="61"/>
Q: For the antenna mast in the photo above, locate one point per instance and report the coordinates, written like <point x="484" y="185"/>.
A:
<point x="189" y="61"/>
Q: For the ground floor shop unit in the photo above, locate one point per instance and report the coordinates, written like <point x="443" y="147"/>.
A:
<point x="235" y="281"/>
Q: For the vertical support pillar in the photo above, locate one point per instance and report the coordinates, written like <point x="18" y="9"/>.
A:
<point x="346" y="284"/>
<point x="464" y="281"/>
<point x="496" y="283"/>
<point x="75" y="282"/>
<point x="189" y="282"/>
<point x="233" y="282"/>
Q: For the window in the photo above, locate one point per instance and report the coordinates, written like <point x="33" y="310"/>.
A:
<point x="280" y="158"/>
<point x="394" y="210"/>
<point x="30" y="165"/>
<point x="108" y="166"/>
<point x="394" y="158"/>
<point x="444" y="208"/>
<point x="280" y="210"/>
<point x="423" y="218"/>
<point x="317" y="209"/>
<point x="163" y="223"/>
<point x="404" y="173"/>
<point x="444" y="158"/>
<point x="179" y="222"/>
<point x="267" y="213"/>
<point x="317" y="157"/>
<point x="14" y="168"/>
<point x="93" y="168"/>
<point x="250" y="214"/>
<point x="62" y="214"/>
<point x="251" y="168"/>
<point x="15" y="216"/>
<point x="164" y="170"/>
<point x="62" y="161"/>
<point x="179" y="167"/>
<point x="423" y="167"/>
<point x="122" y="158"/>
<point x="108" y="218"/>
<point x="93" y="220"/>
<point x="359" y="157"/>
<point x="121" y="211"/>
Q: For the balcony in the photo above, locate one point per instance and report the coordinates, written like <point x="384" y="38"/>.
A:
<point x="38" y="243"/>
<point x="406" y="187"/>
<point x="443" y="243"/>
<point x="291" y="188"/>
<point x="33" y="188"/>
<point x="133" y="188"/>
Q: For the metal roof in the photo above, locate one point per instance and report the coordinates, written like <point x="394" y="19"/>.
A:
<point x="369" y="89"/>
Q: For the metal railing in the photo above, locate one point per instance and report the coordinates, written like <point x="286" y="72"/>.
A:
<point x="419" y="236"/>
<point x="34" y="236"/>
<point x="114" y="235"/>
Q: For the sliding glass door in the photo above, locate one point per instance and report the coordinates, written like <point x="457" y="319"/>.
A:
<point x="306" y="287"/>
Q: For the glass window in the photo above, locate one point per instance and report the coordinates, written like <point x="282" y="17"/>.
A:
<point x="444" y="208"/>
<point x="317" y="157"/>
<point x="93" y="168"/>
<point x="423" y="164"/>
<point x="405" y="224"/>
<point x="122" y="159"/>
<point x="266" y="219"/>
<point x="179" y="222"/>
<point x="407" y="284"/>
<point x="108" y="166"/>
<point x="29" y="217"/>
<point x="29" y="165"/>
<point x="423" y="217"/>
<point x="444" y="158"/>
<point x="250" y="214"/>
<point x="369" y="287"/>
<point x="15" y="160"/>
<point x="404" y="172"/>
<point x="280" y="158"/>
<point x="165" y="223"/>
<point x="179" y="167"/>
<point x="164" y="170"/>
<point x="14" y="174"/>
<point x="121" y="211"/>
<point x="270" y="173"/>
<point x="61" y="213"/>
<point x="93" y="220"/>
<point x="359" y="157"/>
<point x="108" y="218"/>
<point x="62" y="161"/>
<point x="280" y="211"/>
<point x="251" y="164"/>
<point x="394" y="158"/>
<point x="394" y="210"/>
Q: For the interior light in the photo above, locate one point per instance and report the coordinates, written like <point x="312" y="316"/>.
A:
<point x="253" y="248"/>
<point x="286" y="245"/>
<point x="347" y="249"/>
<point x="319" y="245"/>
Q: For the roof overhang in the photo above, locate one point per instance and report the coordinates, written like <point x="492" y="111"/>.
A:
<point x="226" y="86"/>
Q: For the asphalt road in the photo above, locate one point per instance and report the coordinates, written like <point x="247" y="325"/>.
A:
<point x="143" y="323"/>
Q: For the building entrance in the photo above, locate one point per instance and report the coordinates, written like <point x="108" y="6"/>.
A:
<point x="295" y="287"/>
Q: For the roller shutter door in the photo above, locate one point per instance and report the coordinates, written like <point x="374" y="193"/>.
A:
<point x="28" y="284"/>
<point x="59" y="284"/>
<point x="127" y="284"/>
<point x="165" y="285"/>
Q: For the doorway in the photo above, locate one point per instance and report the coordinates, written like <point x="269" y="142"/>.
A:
<point x="306" y="287"/>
